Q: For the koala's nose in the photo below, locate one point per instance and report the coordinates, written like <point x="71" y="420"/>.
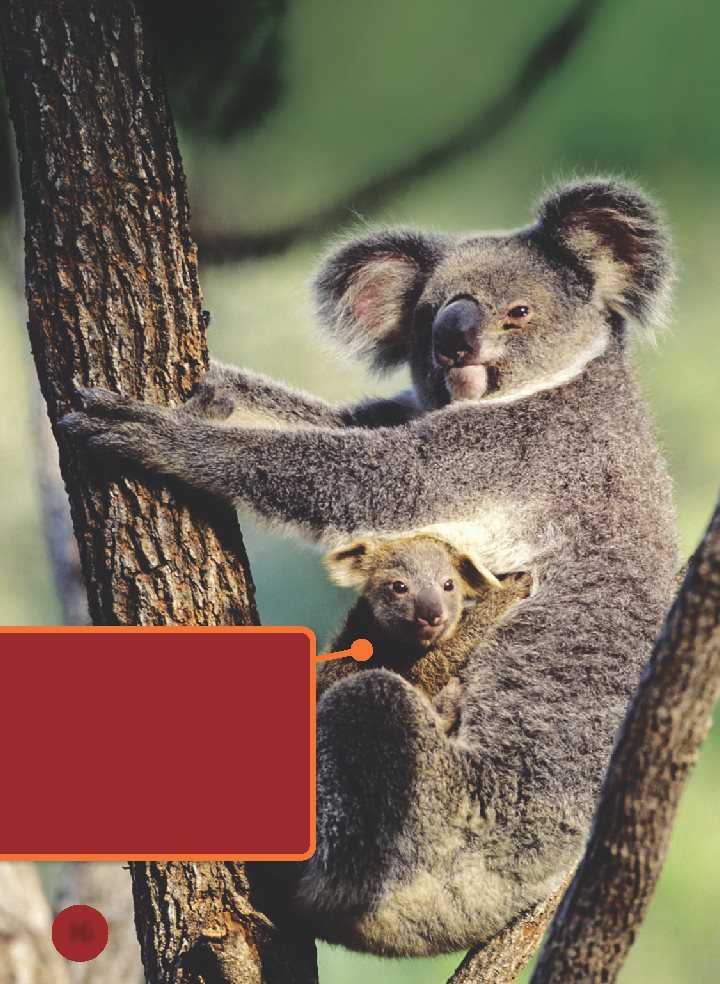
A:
<point x="455" y="331"/>
<point x="428" y="610"/>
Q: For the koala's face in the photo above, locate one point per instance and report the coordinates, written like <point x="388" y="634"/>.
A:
<point x="494" y="318"/>
<point x="415" y="592"/>
<point x="415" y="584"/>
<point x="497" y="317"/>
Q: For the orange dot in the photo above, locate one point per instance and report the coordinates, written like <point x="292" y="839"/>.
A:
<point x="361" y="650"/>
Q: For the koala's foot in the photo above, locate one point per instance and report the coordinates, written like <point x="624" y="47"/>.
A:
<point x="447" y="703"/>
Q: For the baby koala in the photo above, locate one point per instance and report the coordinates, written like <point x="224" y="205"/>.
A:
<point x="424" y="605"/>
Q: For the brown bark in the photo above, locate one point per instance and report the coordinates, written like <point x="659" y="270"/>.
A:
<point x="114" y="299"/>
<point x="657" y="747"/>
<point x="194" y="907"/>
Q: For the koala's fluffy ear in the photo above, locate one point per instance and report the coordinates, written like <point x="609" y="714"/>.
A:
<point x="367" y="289"/>
<point x="476" y="576"/>
<point x="616" y="233"/>
<point x="347" y="564"/>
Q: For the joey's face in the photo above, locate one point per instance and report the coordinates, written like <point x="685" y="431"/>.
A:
<point x="496" y="322"/>
<point x="416" y="593"/>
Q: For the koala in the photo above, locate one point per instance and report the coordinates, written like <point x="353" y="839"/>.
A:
<point x="423" y="605"/>
<point x="523" y="434"/>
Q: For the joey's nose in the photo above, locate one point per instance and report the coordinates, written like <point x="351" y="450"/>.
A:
<point x="455" y="331"/>
<point x="428" y="612"/>
<point x="432" y="620"/>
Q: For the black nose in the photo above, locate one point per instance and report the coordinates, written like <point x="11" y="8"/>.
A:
<point x="455" y="331"/>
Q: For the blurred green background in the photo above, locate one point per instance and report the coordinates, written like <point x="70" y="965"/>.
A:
<point x="345" y="94"/>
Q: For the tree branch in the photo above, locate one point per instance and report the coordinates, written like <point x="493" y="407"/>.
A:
<point x="657" y="747"/>
<point x="500" y="960"/>
<point x="546" y="58"/>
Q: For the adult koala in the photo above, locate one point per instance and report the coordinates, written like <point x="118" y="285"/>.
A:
<point x="523" y="432"/>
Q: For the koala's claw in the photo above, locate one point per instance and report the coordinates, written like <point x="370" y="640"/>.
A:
<point x="100" y="402"/>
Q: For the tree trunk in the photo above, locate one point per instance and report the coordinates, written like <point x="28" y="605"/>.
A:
<point x="657" y="747"/>
<point x="114" y="300"/>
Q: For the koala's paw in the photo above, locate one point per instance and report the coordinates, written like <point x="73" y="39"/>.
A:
<point x="113" y="425"/>
<point x="219" y="392"/>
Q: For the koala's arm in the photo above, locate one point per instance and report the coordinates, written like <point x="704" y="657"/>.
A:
<point x="324" y="482"/>
<point x="238" y="397"/>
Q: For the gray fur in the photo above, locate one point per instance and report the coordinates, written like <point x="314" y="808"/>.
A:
<point x="531" y="440"/>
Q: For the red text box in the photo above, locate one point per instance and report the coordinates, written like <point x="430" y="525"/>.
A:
<point x="157" y="743"/>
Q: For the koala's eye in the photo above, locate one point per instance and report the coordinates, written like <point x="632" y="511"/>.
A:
<point x="399" y="587"/>
<point x="449" y="586"/>
<point x="516" y="315"/>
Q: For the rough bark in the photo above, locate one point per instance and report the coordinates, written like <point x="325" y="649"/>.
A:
<point x="59" y="534"/>
<point x="114" y="300"/>
<point x="27" y="955"/>
<point x="657" y="747"/>
<point x="194" y="908"/>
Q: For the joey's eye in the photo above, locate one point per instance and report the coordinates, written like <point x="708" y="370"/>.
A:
<point x="449" y="586"/>
<point x="519" y="311"/>
<point x="399" y="587"/>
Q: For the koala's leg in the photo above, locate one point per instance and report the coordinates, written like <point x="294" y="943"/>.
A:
<point x="377" y="739"/>
<point x="242" y="398"/>
<point x="398" y="805"/>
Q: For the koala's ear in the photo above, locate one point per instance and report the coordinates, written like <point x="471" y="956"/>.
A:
<point x="347" y="564"/>
<point x="367" y="289"/>
<point x="616" y="233"/>
<point x="476" y="576"/>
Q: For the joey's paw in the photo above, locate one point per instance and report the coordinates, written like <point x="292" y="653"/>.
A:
<point x="447" y="703"/>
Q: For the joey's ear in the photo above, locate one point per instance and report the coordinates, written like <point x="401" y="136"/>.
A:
<point x="366" y="291"/>
<point x="347" y="564"/>
<point x="476" y="576"/>
<point x="616" y="233"/>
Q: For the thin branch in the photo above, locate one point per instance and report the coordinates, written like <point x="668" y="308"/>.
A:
<point x="543" y="61"/>
<point x="500" y="960"/>
<point x="657" y="747"/>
